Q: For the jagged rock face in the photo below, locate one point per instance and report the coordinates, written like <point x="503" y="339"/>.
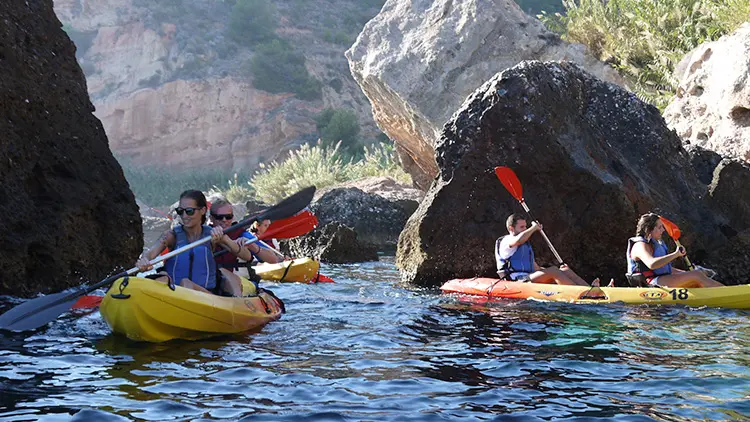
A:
<point x="730" y="192"/>
<point x="418" y="60"/>
<point x="333" y="243"/>
<point x="591" y="159"/>
<point x="712" y="105"/>
<point x="67" y="210"/>
<point x="171" y="88"/>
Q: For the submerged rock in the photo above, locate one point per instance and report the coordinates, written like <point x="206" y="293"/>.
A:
<point x="68" y="213"/>
<point x="591" y="158"/>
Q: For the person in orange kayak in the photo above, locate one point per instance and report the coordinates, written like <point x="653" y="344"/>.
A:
<point x="194" y="269"/>
<point x="222" y="215"/>
<point x="650" y="263"/>
<point x="515" y="257"/>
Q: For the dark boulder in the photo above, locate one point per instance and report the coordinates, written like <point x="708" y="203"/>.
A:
<point x="591" y="158"/>
<point x="68" y="213"/>
<point x="704" y="161"/>
<point x="376" y="220"/>
<point x="333" y="243"/>
<point x="729" y="192"/>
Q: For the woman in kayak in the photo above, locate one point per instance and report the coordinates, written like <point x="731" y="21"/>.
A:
<point x="515" y="258"/>
<point x="194" y="269"/>
<point x="647" y="257"/>
<point x="222" y="214"/>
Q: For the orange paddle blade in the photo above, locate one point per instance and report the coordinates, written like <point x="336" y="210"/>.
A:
<point x="288" y="228"/>
<point x="509" y="179"/>
<point x="671" y="228"/>
<point x="323" y="279"/>
<point x="87" y="302"/>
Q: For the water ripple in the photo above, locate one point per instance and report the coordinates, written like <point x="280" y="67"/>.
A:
<point x="367" y="348"/>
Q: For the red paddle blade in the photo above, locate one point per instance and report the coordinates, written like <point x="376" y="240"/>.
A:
<point x="509" y="179"/>
<point x="323" y="279"/>
<point x="87" y="302"/>
<point x="671" y="228"/>
<point x="288" y="228"/>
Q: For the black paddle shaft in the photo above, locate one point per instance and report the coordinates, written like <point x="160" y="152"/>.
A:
<point x="34" y="313"/>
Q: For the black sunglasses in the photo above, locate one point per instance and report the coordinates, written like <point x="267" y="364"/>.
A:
<point x="188" y="211"/>
<point x="222" y="216"/>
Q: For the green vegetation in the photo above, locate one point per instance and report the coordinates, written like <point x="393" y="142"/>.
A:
<point x="276" y="67"/>
<point x="538" y="6"/>
<point x="322" y="166"/>
<point x="336" y="125"/>
<point x="160" y="186"/>
<point x="645" y="39"/>
<point x="252" y="22"/>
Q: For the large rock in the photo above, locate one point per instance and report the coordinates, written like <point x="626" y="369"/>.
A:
<point x="418" y="60"/>
<point x="333" y="243"/>
<point x="376" y="220"/>
<point x="67" y="210"/>
<point x="730" y="192"/>
<point x="591" y="158"/>
<point x="712" y="105"/>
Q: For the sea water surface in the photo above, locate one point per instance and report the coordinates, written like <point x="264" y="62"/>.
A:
<point x="367" y="348"/>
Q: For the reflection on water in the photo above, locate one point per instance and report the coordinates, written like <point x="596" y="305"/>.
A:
<point x="367" y="348"/>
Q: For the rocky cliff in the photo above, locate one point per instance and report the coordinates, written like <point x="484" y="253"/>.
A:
<point x="67" y="211"/>
<point x="712" y="106"/>
<point x="418" y="60"/>
<point x="171" y="87"/>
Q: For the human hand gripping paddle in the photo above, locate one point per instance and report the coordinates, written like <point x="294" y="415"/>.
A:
<point x="34" y="313"/>
<point x="509" y="179"/>
<point x="674" y="233"/>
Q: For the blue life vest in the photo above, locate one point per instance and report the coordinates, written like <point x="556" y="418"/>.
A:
<point x="197" y="264"/>
<point x="638" y="267"/>
<point x="522" y="260"/>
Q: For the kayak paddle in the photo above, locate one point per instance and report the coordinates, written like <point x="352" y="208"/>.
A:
<point x="34" y="313"/>
<point x="509" y="179"/>
<point x="674" y="233"/>
<point x="294" y="226"/>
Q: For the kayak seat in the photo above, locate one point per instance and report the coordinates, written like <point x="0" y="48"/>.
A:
<point x="636" y="280"/>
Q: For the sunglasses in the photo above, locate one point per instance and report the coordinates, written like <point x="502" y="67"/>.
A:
<point x="188" y="211"/>
<point x="222" y="216"/>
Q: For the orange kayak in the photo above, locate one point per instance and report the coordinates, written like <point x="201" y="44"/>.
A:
<point x="720" y="297"/>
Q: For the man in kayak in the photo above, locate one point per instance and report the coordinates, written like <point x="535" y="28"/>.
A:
<point x="515" y="257"/>
<point x="649" y="262"/>
<point x="194" y="269"/>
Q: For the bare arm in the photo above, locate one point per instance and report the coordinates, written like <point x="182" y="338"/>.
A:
<point x="523" y="237"/>
<point x="645" y="255"/>
<point x="166" y="240"/>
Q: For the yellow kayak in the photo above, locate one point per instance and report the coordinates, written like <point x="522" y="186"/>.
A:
<point x="303" y="270"/>
<point x="720" y="297"/>
<point x="148" y="310"/>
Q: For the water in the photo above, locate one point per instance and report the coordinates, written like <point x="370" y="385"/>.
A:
<point x="367" y="348"/>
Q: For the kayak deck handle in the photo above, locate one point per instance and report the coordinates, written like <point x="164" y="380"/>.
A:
<point x="122" y="287"/>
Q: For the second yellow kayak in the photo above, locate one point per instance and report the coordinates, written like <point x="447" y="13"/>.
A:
<point x="303" y="270"/>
